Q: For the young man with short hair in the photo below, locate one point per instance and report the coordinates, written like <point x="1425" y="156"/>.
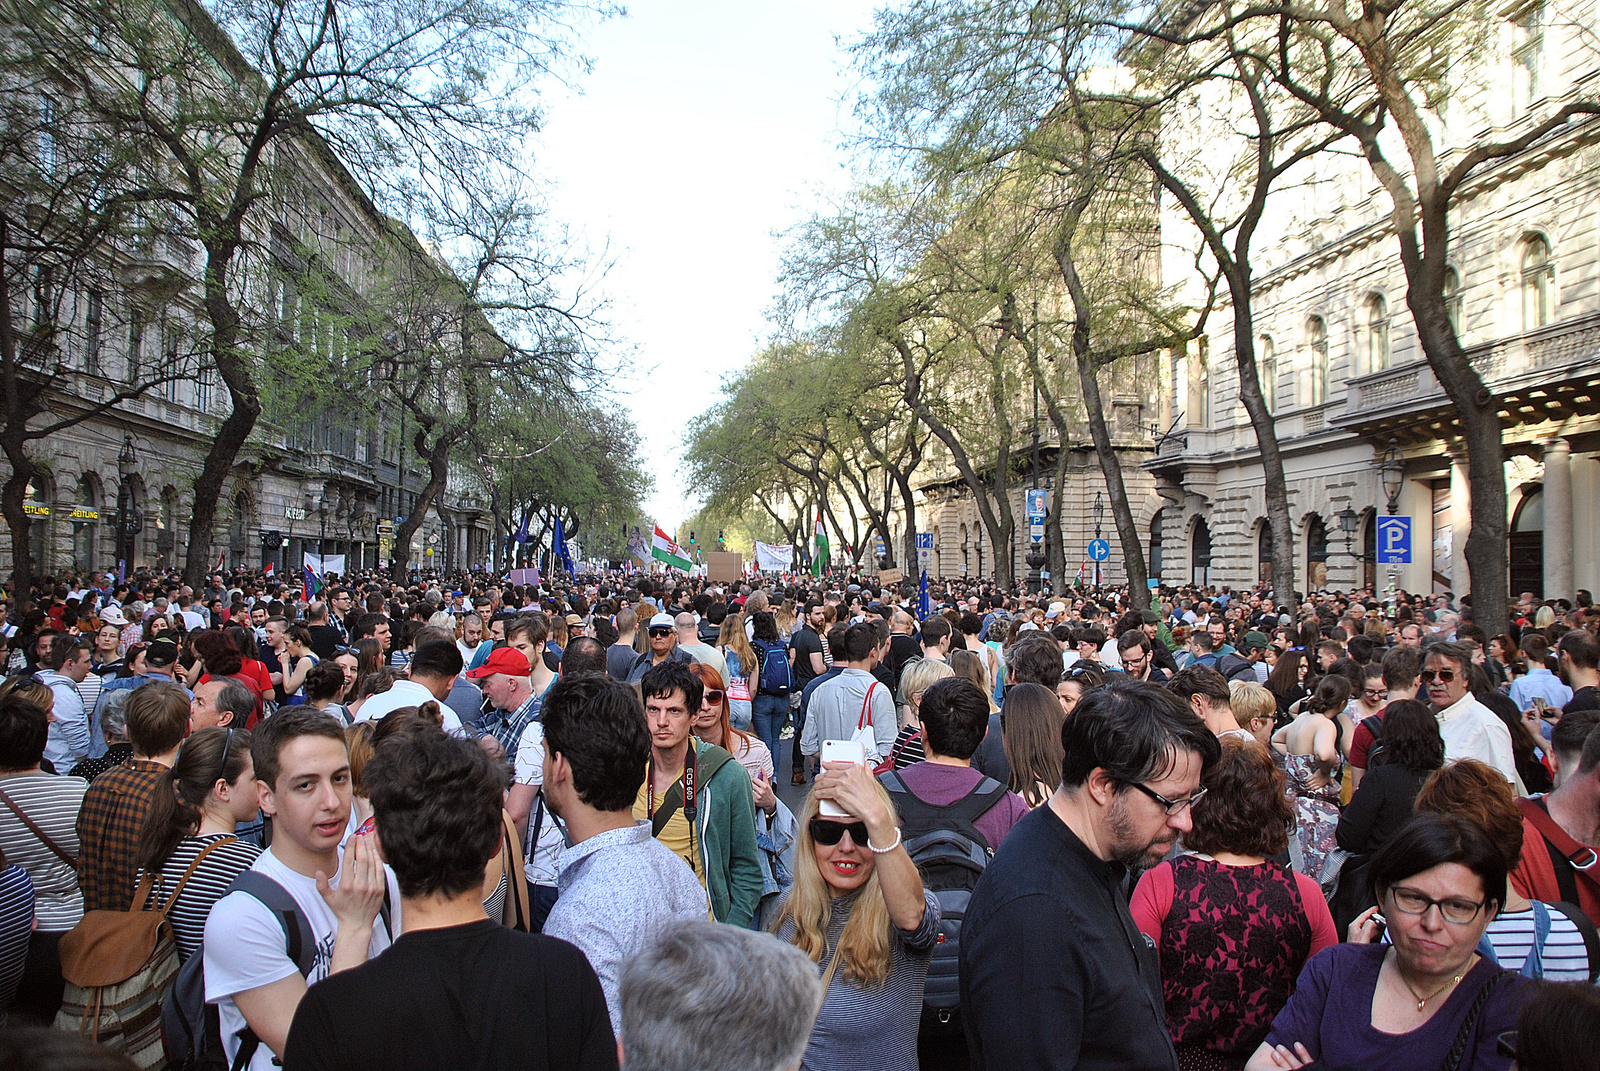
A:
<point x="621" y="888"/>
<point x="711" y="825"/>
<point x="114" y="810"/>
<point x="1206" y="692"/>
<point x="434" y="669"/>
<point x="1579" y="660"/>
<point x="64" y="660"/>
<point x="455" y="989"/>
<point x="302" y="772"/>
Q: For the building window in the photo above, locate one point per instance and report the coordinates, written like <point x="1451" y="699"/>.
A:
<point x="1377" y="340"/>
<point x="1200" y="384"/>
<point x="1267" y="369"/>
<point x="1537" y="277"/>
<point x="1317" y="343"/>
<point x="135" y="348"/>
<point x="205" y="388"/>
<point x="49" y="116"/>
<point x="1527" y="58"/>
<point x="1452" y="299"/>
<point x="93" y="324"/>
<point x="1155" y="545"/>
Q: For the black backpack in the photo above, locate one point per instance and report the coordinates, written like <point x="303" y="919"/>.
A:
<point x="951" y="856"/>
<point x="191" y="1027"/>
<point x="1375" y="755"/>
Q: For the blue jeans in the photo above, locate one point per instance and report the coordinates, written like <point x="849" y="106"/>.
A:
<point x="769" y="712"/>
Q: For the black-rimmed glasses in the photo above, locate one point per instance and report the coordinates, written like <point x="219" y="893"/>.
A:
<point x="1172" y="806"/>
<point x="1456" y="910"/>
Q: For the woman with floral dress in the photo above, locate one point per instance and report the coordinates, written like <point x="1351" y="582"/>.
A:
<point x="1308" y="750"/>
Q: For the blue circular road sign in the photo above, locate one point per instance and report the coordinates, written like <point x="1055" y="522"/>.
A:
<point x="1099" y="550"/>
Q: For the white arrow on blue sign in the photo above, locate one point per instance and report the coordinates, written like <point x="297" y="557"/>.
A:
<point x="1099" y="550"/>
<point x="1394" y="540"/>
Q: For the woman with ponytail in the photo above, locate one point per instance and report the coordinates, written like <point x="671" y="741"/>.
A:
<point x="210" y="788"/>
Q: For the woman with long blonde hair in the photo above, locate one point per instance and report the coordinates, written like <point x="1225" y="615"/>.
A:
<point x="785" y="619"/>
<point x="741" y="660"/>
<point x="859" y="910"/>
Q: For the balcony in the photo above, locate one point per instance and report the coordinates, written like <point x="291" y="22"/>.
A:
<point x="1545" y="374"/>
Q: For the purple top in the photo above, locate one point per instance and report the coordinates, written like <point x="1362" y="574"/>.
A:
<point x="1331" y="1014"/>
<point x="941" y="786"/>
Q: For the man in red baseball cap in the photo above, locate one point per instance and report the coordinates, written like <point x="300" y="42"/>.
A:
<point x="503" y="676"/>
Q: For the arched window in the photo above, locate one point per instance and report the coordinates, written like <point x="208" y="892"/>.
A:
<point x="1200" y="553"/>
<point x="38" y="508"/>
<point x="1267" y="369"/>
<point x="1155" y="544"/>
<point x="1317" y="343"/>
<point x="85" y="529"/>
<point x="1377" y="333"/>
<point x="1452" y="298"/>
<point x="1538" y="275"/>
<point x="1316" y="553"/>
<point x="1264" y="553"/>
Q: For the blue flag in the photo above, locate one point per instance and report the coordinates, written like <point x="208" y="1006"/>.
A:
<point x="922" y="596"/>
<point x="522" y="533"/>
<point x="561" y="553"/>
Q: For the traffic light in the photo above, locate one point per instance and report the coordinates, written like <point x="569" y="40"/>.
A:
<point x="691" y="537"/>
<point x="719" y="535"/>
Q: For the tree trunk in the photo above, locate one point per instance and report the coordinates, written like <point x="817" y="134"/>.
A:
<point x="237" y="373"/>
<point x="1478" y="415"/>
<point x="1110" y="465"/>
<point x="1055" y="545"/>
<point x="20" y="406"/>
<point x="1274" y="484"/>
<point x="17" y="521"/>
<point x="438" y="456"/>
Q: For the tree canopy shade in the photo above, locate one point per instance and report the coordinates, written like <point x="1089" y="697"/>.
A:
<point x="229" y="113"/>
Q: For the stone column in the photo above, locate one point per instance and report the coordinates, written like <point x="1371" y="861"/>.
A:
<point x="1558" y="582"/>
<point x="1460" y="524"/>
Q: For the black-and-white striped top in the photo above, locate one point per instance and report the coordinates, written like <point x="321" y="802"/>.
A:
<point x="874" y="1027"/>
<point x="53" y="803"/>
<point x="206" y="885"/>
<point x="1565" y="958"/>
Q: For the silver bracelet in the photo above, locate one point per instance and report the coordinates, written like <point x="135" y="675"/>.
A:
<point x="884" y="851"/>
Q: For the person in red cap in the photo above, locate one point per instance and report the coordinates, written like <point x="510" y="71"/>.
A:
<point x="504" y="680"/>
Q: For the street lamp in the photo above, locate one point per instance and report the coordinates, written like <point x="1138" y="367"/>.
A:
<point x="1393" y="473"/>
<point x="127" y="523"/>
<point x="322" y="513"/>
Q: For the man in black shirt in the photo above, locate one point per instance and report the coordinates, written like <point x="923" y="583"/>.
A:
<point x="805" y="649"/>
<point x="1054" y="973"/>
<point x="456" y="990"/>
<point x="1579" y="658"/>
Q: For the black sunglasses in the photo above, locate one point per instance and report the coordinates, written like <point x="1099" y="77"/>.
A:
<point x="828" y="833"/>
<point x="660" y="630"/>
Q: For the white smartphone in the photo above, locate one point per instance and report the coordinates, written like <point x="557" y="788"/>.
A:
<point x="840" y="751"/>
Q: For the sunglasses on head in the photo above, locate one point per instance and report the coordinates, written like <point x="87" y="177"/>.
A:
<point x="828" y="833"/>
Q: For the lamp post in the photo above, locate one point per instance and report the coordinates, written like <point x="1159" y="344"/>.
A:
<point x="127" y="460"/>
<point x="322" y="514"/>
<point x="1393" y="472"/>
<point x="1099" y="516"/>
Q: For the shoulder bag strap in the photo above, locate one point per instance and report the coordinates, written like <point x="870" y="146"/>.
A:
<point x="866" y="700"/>
<point x="515" y="914"/>
<point x="41" y="834"/>
<point x="1469" y="1025"/>
<point x="1533" y="964"/>
<point x="1561" y="842"/>
<point x="188" y="873"/>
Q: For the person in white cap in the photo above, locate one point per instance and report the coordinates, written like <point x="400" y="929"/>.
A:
<point x="663" y="647"/>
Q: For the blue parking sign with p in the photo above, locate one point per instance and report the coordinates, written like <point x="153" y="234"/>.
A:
<point x="1394" y="540"/>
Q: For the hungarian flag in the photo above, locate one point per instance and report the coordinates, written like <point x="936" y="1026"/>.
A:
<point x="664" y="550"/>
<point x="819" y="560"/>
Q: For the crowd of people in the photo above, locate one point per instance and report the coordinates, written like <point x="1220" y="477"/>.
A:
<point x="666" y="823"/>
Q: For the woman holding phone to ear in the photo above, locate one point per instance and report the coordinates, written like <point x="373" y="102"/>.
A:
<point x="859" y="910"/>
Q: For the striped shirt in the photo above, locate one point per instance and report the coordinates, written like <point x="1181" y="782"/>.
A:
<point x="53" y="803"/>
<point x="880" y="1023"/>
<point x="16" y="925"/>
<point x="206" y="885"/>
<point x="1565" y="959"/>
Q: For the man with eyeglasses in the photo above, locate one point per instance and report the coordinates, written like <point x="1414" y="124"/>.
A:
<point x="1470" y="729"/>
<point x="664" y="647"/>
<point x="1049" y="950"/>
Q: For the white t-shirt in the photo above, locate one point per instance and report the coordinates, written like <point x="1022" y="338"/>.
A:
<point x="406" y="694"/>
<point x="245" y="947"/>
<point x="528" y="769"/>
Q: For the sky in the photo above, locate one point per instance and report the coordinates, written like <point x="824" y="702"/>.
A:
<point x="705" y="130"/>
